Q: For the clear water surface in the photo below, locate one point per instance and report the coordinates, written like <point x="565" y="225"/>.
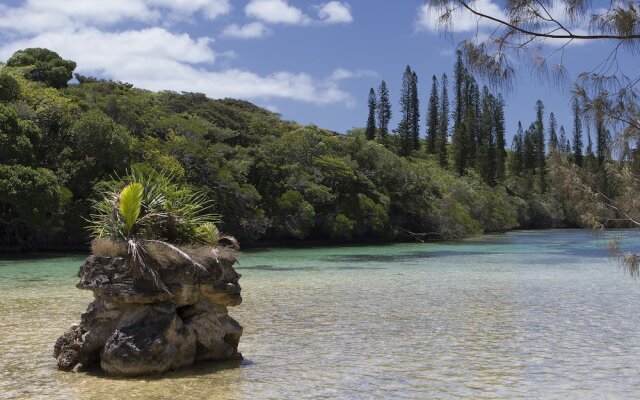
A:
<point x="539" y="315"/>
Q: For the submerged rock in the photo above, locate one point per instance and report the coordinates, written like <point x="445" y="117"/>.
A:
<point x="134" y="328"/>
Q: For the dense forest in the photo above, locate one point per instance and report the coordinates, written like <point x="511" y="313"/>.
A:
<point x="272" y="179"/>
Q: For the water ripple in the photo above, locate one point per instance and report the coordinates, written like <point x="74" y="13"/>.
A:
<point x="507" y="317"/>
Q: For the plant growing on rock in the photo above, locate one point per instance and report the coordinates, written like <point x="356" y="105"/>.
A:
<point x="145" y="214"/>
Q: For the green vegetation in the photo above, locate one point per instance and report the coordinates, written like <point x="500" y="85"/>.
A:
<point x="384" y="111"/>
<point x="43" y="65"/>
<point x="270" y="179"/>
<point x="146" y="204"/>
<point x="409" y="128"/>
<point x="144" y="215"/>
<point x="370" y="131"/>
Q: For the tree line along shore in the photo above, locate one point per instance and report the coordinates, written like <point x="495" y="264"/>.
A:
<point x="274" y="181"/>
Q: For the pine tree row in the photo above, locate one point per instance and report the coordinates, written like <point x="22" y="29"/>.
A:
<point x="529" y="146"/>
<point x="478" y="140"/>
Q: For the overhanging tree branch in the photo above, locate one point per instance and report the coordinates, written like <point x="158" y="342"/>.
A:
<point x="569" y="35"/>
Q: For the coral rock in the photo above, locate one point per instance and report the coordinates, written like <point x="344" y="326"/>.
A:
<point x="134" y="328"/>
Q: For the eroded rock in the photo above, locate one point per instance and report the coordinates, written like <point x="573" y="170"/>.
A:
<point x="132" y="327"/>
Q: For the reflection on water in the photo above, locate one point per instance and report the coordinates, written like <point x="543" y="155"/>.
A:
<point x="366" y="258"/>
<point x="523" y="315"/>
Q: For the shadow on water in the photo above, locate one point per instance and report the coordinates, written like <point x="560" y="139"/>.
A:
<point x="364" y="258"/>
<point x="263" y="267"/>
<point x="598" y="251"/>
<point x="200" y="368"/>
<point x="350" y="268"/>
<point x="313" y="245"/>
<point x="36" y="256"/>
<point x="395" y="258"/>
<point x="34" y="279"/>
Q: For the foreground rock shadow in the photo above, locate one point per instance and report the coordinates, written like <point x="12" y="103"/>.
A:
<point x="203" y="368"/>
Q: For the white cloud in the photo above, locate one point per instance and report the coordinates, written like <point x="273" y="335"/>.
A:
<point x="156" y="59"/>
<point x="99" y="51"/>
<point x="461" y="19"/>
<point x="276" y="12"/>
<point x="251" y="30"/>
<point x="36" y="16"/>
<point x="211" y="9"/>
<point x="341" y="74"/>
<point x="335" y="12"/>
<point x="281" y="12"/>
<point x="229" y="55"/>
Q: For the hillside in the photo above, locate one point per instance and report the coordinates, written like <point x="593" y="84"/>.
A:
<point x="270" y="179"/>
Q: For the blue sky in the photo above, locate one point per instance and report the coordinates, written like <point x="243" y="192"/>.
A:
<point x="311" y="61"/>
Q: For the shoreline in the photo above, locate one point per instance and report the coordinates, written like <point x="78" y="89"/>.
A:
<point x="7" y="252"/>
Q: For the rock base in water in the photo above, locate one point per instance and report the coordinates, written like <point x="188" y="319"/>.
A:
<point x="133" y="328"/>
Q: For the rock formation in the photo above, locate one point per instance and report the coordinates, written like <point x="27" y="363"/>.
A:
<point x="134" y="328"/>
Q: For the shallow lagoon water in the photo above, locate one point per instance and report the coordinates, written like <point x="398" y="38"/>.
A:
<point x="537" y="314"/>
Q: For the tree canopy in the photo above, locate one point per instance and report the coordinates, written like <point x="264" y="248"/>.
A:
<point x="43" y="65"/>
<point x="605" y="94"/>
<point x="268" y="178"/>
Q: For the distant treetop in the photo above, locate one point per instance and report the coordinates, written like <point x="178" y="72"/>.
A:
<point x="43" y="65"/>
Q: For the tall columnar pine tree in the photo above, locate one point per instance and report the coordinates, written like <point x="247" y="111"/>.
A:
<point x="563" y="142"/>
<point x="432" y="117"/>
<point x="460" y="78"/>
<point x="370" y="132"/>
<point x="517" y="161"/>
<point x="415" y="112"/>
<point x="443" y="123"/>
<point x="553" y="136"/>
<point x="530" y="156"/>
<point x="485" y="156"/>
<point x="499" y="129"/>
<point x="405" y="96"/>
<point x="577" y="133"/>
<point x="410" y="110"/>
<point x="467" y="135"/>
<point x="540" y="146"/>
<point x="472" y="98"/>
<point x="384" y="112"/>
<point x="470" y="139"/>
<point x="404" y="127"/>
<point x="602" y="138"/>
<point x="459" y="136"/>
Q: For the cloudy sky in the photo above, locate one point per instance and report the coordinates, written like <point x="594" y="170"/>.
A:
<point x="311" y="61"/>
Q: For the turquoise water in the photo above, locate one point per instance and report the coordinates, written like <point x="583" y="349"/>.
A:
<point x="540" y="314"/>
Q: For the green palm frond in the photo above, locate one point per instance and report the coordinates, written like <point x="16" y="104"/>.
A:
<point x="167" y="211"/>
<point x="208" y="233"/>
<point x="130" y="204"/>
<point x="145" y="209"/>
<point x="105" y="221"/>
<point x="156" y="186"/>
